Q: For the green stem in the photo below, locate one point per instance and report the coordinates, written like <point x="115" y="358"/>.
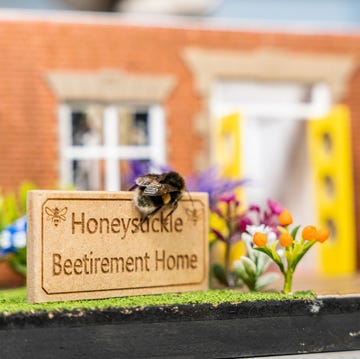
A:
<point x="229" y="279"/>
<point x="288" y="281"/>
<point x="227" y="265"/>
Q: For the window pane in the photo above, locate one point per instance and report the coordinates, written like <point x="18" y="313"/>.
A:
<point x="95" y="160"/>
<point x="87" y="126"/>
<point x="88" y="175"/>
<point x="133" y="127"/>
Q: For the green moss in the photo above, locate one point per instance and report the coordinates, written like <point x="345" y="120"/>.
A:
<point x="14" y="300"/>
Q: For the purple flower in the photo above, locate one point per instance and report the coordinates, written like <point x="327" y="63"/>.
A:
<point x="218" y="234"/>
<point x="137" y="168"/>
<point x="210" y="181"/>
<point x="275" y="207"/>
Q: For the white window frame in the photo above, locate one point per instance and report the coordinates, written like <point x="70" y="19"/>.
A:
<point x="318" y="106"/>
<point x="111" y="152"/>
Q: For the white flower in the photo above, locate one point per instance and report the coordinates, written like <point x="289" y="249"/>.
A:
<point x="20" y="223"/>
<point x="261" y="259"/>
<point x="5" y="239"/>
<point x="19" y="239"/>
<point x="252" y="229"/>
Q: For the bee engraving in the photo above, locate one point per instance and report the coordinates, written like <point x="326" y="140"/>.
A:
<point x="193" y="215"/>
<point x="56" y="215"/>
<point x="153" y="192"/>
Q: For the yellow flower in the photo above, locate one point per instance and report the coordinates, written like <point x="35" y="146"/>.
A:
<point x="286" y="240"/>
<point x="219" y="224"/>
<point x="322" y="235"/>
<point x="217" y="252"/>
<point x="260" y="239"/>
<point x="285" y="218"/>
<point x="309" y="233"/>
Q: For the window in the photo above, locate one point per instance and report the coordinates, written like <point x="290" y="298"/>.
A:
<point x="97" y="141"/>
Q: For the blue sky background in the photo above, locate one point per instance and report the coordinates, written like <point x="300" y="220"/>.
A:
<point x="318" y="13"/>
<point x="326" y="12"/>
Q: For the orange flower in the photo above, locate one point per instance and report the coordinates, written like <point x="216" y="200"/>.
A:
<point x="309" y="233"/>
<point x="285" y="218"/>
<point x="322" y="235"/>
<point x="260" y="239"/>
<point x="286" y="240"/>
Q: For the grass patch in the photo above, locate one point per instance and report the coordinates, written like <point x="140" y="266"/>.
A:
<point x="14" y="300"/>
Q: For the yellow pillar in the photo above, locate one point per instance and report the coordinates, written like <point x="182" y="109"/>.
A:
<point x="227" y="145"/>
<point x="330" y="153"/>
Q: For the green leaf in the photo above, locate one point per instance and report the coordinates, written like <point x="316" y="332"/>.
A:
<point x="305" y="249"/>
<point x="240" y="271"/>
<point x="18" y="267"/>
<point x="245" y="269"/>
<point x="21" y="255"/>
<point x="277" y="259"/>
<point x="294" y="232"/>
<point x="271" y="252"/>
<point x="24" y="188"/>
<point x="265" y="250"/>
<point x="10" y="211"/>
<point x="262" y="262"/>
<point x="297" y="250"/>
<point x="288" y="254"/>
<point x="17" y="261"/>
<point x="219" y="273"/>
<point x="249" y="265"/>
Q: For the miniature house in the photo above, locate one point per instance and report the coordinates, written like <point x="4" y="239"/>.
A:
<point x="82" y="95"/>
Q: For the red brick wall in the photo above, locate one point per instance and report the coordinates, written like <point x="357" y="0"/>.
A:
<point x="28" y="50"/>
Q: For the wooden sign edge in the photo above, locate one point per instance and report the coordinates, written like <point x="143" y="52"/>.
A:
<point x="35" y="293"/>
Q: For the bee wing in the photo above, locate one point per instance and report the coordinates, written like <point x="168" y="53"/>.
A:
<point x="63" y="211"/>
<point x="144" y="181"/>
<point x="158" y="189"/>
<point x="153" y="189"/>
<point x="49" y="211"/>
<point x="170" y="188"/>
<point x="189" y="212"/>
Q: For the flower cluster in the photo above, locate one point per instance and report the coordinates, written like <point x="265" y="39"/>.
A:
<point x="232" y="226"/>
<point x="13" y="245"/>
<point x="250" y="239"/>
<point x="13" y="227"/>
<point x="13" y="237"/>
<point x="293" y="248"/>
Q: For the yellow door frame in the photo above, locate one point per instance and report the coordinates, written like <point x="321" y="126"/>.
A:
<point x="330" y="154"/>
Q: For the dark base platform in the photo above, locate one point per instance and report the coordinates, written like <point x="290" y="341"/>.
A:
<point x="186" y="331"/>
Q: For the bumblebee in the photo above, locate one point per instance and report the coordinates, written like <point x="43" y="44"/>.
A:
<point x="153" y="192"/>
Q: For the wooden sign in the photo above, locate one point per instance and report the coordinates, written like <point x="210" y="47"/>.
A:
<point x="84" y="245"/>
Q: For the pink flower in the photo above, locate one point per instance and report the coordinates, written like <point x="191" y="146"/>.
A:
<point x="243" y="222"/>
<point x="228" y="198"/>
<point x="275" y="207"/>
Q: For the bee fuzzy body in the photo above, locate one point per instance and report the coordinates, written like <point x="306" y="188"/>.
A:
<point x="154" y="192"/>
<point x="145" y="204"/>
